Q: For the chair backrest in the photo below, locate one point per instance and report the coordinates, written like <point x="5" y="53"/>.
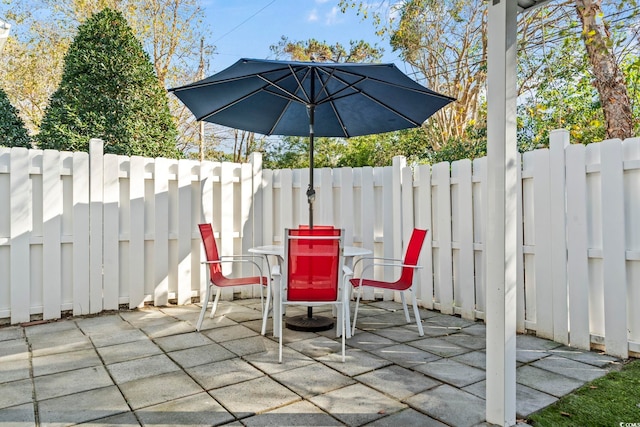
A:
<point x="313" y="264"/>
<point x="316" y="227"/>
<point x="411" y="256"/>
<point x="210" y="250"/>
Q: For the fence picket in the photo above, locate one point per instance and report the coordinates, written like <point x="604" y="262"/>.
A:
<point x="613" y="248"/>
<point x="423" y="221"/>
<point x="631" y="152"/>
<point x="368" y="226"/>
<point x="520" y="288"/>
<point x="323" y="208"/>
<point x="462" y="234"/>
<point x="389" y="244"/>
<point x="542" y="242"/>
<point x="161" y="232"/>
<point x="594" y="235"/>
<point x="51" y="239"/>
<point x="246" y="232"/>
<point x="558" y="141"/>
<point x="112" y="230"/>
<point x="80" y="252"/>
<point x="577" y="248"/>
<point x="20" y="212"/>
<point x="442" y="234"/>
<point x="136" y="232"/>
<point x="96" y="224"/>
<point x="346" y="204"/>
<point x="480" y="211"/>
<point x="185" y="232"/>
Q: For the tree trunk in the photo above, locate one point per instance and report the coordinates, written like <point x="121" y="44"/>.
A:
<point x="608" y="78"/>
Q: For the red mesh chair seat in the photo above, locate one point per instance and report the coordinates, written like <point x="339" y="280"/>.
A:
<point x="405" y="282"/>
<point x="217" y="279"/>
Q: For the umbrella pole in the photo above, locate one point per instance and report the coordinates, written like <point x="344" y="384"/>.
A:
<point x="311" y="192"/>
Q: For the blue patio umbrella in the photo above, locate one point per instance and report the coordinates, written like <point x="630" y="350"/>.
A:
<point x="311" y="99"/>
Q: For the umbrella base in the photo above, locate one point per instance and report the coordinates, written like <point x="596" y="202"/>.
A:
<point x="305" y="323"/>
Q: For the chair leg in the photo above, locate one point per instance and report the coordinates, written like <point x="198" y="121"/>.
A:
<point x="215" y="303"/>
<point x="355" y="312"/>
<point x="404" y="307"/>
<point x="265" y="311"/>
<point x="416" y="313"/>
<point x="344" y="331"/>
<point x="205" y="303"/>
<point x="280" y="333"/>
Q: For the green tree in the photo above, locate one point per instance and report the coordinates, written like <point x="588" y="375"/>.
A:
<point x="12" y="130"/>
<point x="109" y="90"/>
<point x="43" y="29"/>
<point x="445" y="43"/>
<point x="314" y="50"/>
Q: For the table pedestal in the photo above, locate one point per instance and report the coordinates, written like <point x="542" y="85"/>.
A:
<point x="308" y="322"/>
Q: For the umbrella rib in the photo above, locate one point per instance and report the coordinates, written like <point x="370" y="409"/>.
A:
<point x="332" y="98"/>
<point x="289" y="95"/>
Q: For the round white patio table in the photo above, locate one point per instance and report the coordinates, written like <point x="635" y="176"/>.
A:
<point x="349" y="253"/>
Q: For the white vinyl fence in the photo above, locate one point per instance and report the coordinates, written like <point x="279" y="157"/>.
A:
<point x="90" y="232"/>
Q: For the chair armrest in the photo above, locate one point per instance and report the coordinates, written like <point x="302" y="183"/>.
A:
<point x="230" y="261"/>
<point x="370" y="258"/>
<point x="387" y="264"/>
<point x="241" y="256"/>
<point x="275" y="271"/>
<point x="346" y="274"/>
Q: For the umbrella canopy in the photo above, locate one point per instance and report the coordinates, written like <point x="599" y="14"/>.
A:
<point x="311" y="99"/>
<point x="274" y="97"/>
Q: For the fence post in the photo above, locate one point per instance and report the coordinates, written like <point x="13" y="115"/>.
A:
<point x="558" y="142"/>
<point x="96" y="175"/>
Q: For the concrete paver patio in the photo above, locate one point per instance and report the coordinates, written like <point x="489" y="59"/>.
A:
<point x="150" y="367"/>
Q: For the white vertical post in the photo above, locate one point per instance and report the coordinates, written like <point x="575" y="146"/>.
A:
<point x="136" y="232"/>
<point x="185" y="228"/>
<point x="346" y="203"/>
<point x="80" y="233"/>
<point x="613" y="249"/>
<point x="441" y="178"/>
<point x="423" y="221"/>
<point x="578" y="247"/>
<point x="161" y="232"/>
<point x="20" y="211"/>
<point x="112" y="227"/>
<point x="96" y="171"/>
<point x="52" y="214"/>
<point x="464" y="292"/>
<point x="558" y="142"/>
<point x="502" y="215"/>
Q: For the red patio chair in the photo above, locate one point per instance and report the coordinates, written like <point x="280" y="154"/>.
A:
<point x="403" y="284"/>
<point x="312" y="270"/>
<point x="216" y="278"/>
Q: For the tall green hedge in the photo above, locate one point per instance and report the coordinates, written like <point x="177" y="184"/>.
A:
<point x="12" y="130"/>
<point x="109" y="90"/>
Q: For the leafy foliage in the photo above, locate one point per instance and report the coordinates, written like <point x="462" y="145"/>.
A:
<point x="109" y="91"/>
<point x="607" y="401"/>
<point x="12" y="130"/>
<point x="314" y="50"/>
